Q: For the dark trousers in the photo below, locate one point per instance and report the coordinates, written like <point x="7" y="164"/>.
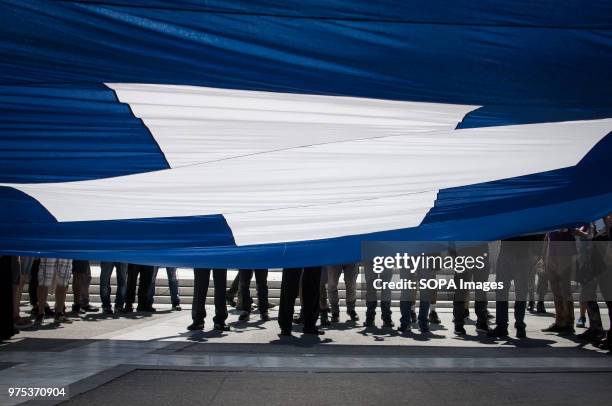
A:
<point x="6" y="298"/>
<point x="146" y="273"/>
<point x="33" y="283"/>
<point x="290" y="288"/>
<point x="201" y="279"/>
<point x="233" y="290"/>
<point x="261" y="281"/>
<point x="81" y="280"/>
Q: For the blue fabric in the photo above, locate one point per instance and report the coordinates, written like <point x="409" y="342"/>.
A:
<point x="502" y="52"/>
<point x="58" y="133"/>
<point x="523" y="62"/>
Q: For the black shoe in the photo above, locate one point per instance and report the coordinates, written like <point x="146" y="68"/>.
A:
<point x="286" y="333"/>
<point x="177" y="308"/>
<point x="591" y="335"/>
<point x="553" y="328"/>
<point x="90" y="309"/>
<point x="40" y="318"/>
<point x="298" y="320"/>
<point x="403" y="328"/>
<point x="196" y="326"/>
<point x="483" y="327"/>
<point x="325" y="319"/>
<point x="107" y="310"/>
<point x="433" y="317"/>
<point x="229" y="300"/>
<point x="222" y="327"/>
<point x="335" y="317"/>
<point x="498" y="331"/>
<point x="531" y="306"/>
<point x="540" y="307"/>
<point x="315" y="331"/>
<point x="489" y="315"/>
<point x="521" y="332"/>
<point x="271" y="305"/>
<point x="49" y="312"/>
<point x="76" y="310"/>
<point x="127" y="309"/>
<point x="567" y="331"/>
<point x="424" y="328"/>
<point x="413" y="315"/>
<point x="460" y="330"/>
<point x="148" y="309"/>
<point x="244" y="315"/>
<point x="388" y="323"/>
<point x="353" y="315"/>
<point x="264" y="316"/>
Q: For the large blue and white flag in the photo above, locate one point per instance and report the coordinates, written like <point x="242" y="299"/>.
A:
<point x="264" y="133"/>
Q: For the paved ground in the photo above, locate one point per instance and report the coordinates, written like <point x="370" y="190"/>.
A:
<point x="95" y="356"/>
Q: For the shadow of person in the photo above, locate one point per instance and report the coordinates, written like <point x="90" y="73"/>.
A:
<point x="200" y="336"/>
<point x="427" y="336"/>
<point x="304" y="340"/>
<point x="527" y="342"/>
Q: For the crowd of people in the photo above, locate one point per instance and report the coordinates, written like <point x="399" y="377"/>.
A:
<point x="557" y="259"/>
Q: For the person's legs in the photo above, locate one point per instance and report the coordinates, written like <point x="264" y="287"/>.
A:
<point x="201" y="277"/>
<point x="261" y="281"/>
<point x="371" y="295"/>
<point x="560" y="274"/>
<point x="555" y="287"/>
<point x="60" y="298"/>
<point x="233" y="291"/>
<point x="25" y="267"/>
<point x="350" y="286"/>
<point x="63" y="271"/>
<point x="15" y="276"/>
<point x="323" y="305"/>
<point x="290" y="286"/>
<point x="33" y="285"/>
<point x="244" y="289"/>
<point x="385" y="300"/>
<point x="459" y="299"/>
<point x="76" y="291"/>
<point x="173" y="286"/>
<point x="220" y="280"/>
<point x="406" y="302"/>
<point x="121" y="270"/>
<point x="106" y="270"/>
<point x="85" y="284"/>
<point x="480" y="297"/>
<point x="543" y="281"/>
<point x="7" y="328"/>
<point x="46" y="277"/>
<point x="311" y="285"/>
<point x="333" y="277"/>
<point x="146" y="278"/>
<point x="132" y="279"/>
<point x="566" y="291"/>
<point x="151" y="287"/>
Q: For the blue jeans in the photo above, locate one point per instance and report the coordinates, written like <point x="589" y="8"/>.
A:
<point x="172" y="285"/>
<point x="105" y="288"/>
